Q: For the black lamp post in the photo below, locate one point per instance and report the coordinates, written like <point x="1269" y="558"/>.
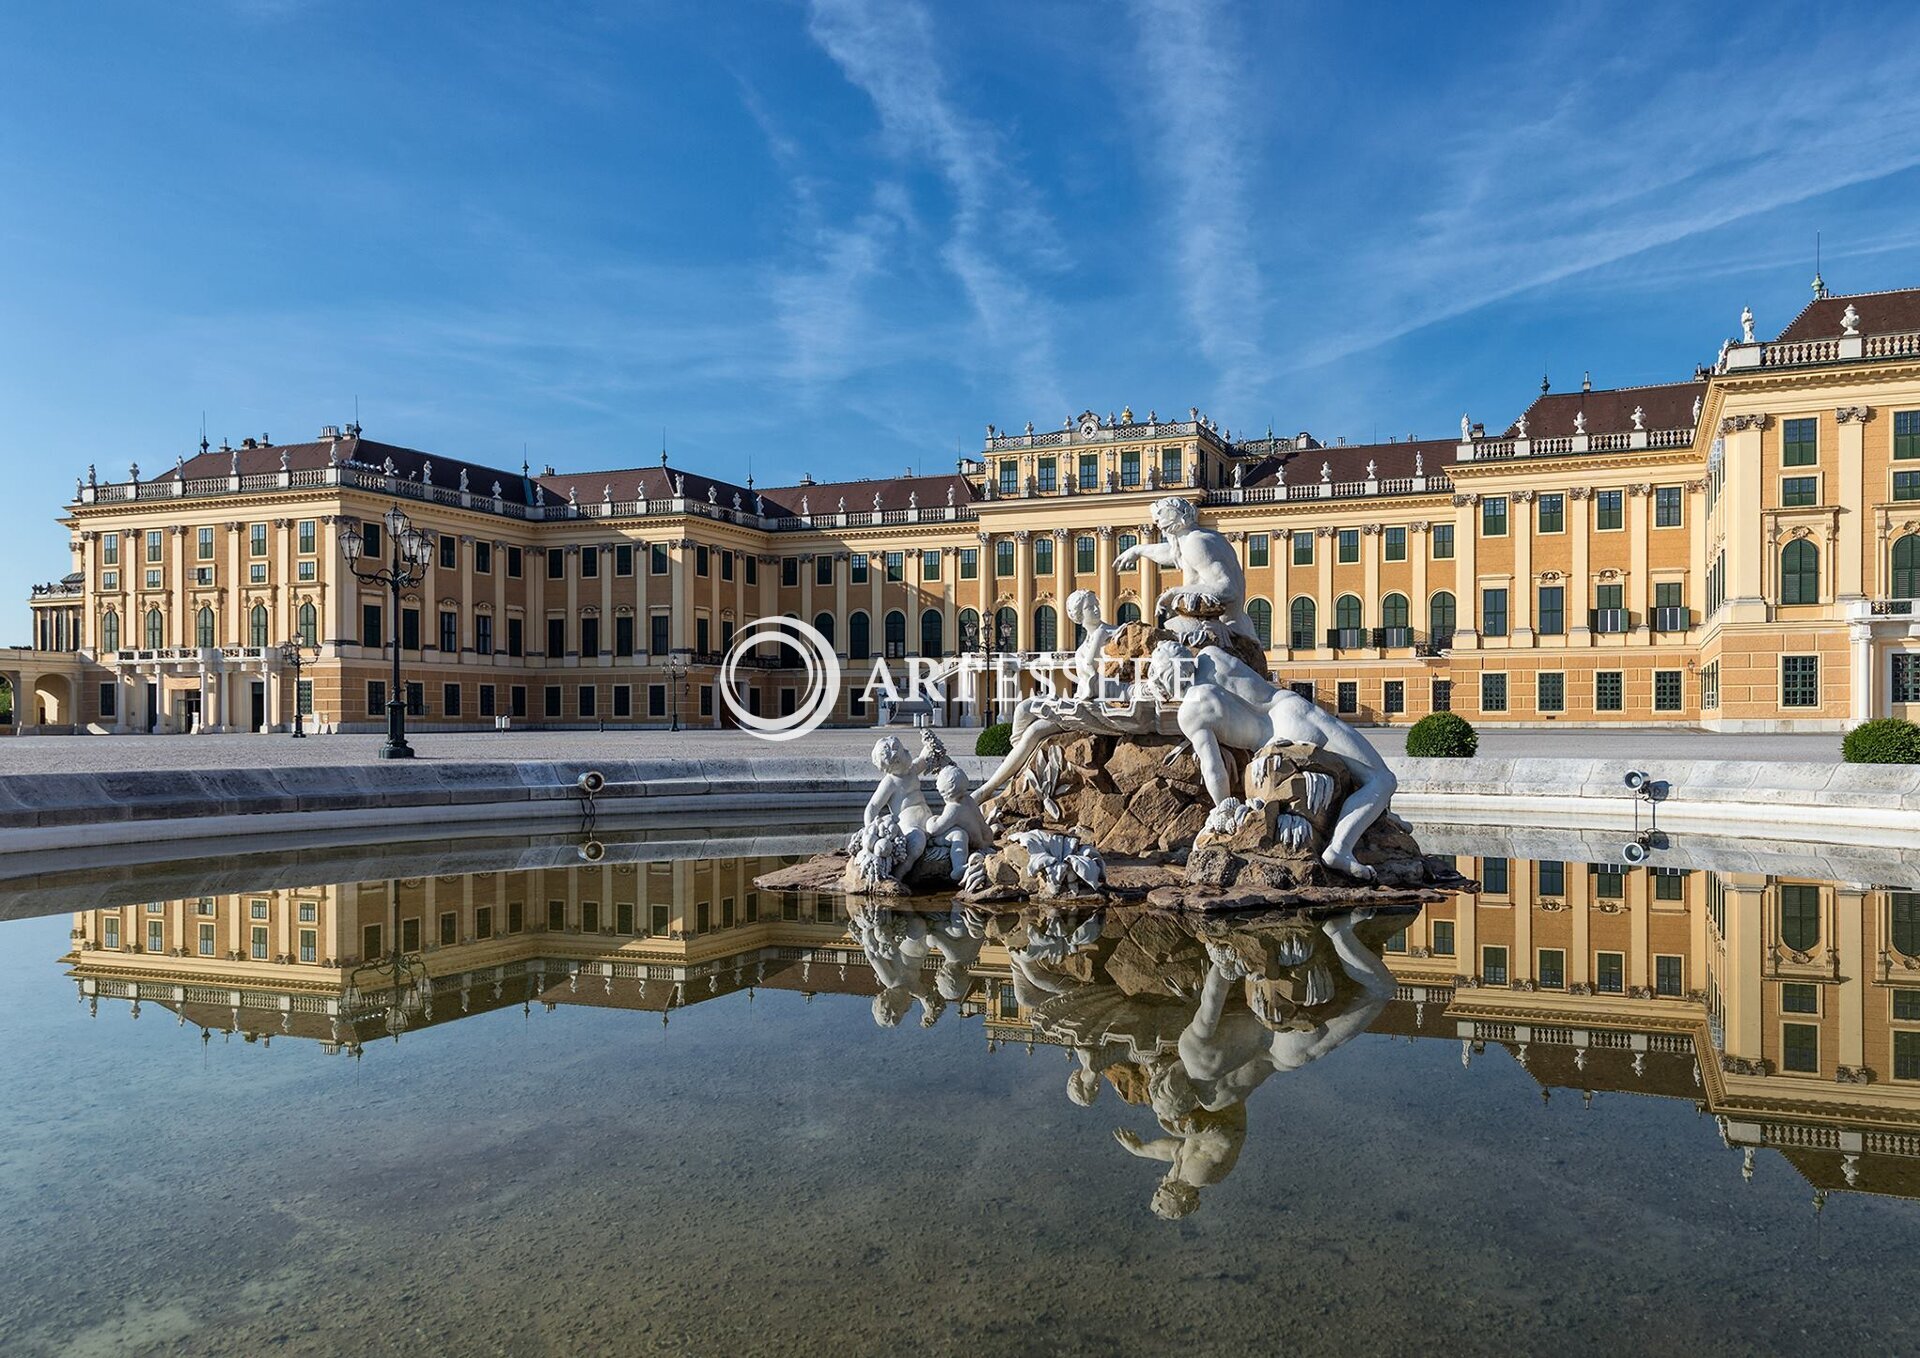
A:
<point x="397" y="972"/>
<point x="995" y="632"/>
<point x="407" y="551"/>
<point x="293" y="656"/>
<point x="677" y="662"/>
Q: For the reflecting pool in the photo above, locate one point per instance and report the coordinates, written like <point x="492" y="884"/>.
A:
<point x="636" y="1104"/>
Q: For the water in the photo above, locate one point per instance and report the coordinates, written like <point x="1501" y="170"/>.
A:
<point x="738" y="1157"/>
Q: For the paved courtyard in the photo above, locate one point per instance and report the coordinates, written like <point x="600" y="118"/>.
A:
<point x="97" y="754"/>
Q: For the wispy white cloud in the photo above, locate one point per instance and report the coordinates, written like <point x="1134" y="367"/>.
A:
<point x="1203" y="152"/>
<point x="1555" y="167"/>
<point x="997" y="233"/>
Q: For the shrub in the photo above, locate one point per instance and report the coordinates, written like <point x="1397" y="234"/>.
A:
<point x="1888" y="740"/>
<point x="996" y="740"/>
<point x="1442" y="735"/>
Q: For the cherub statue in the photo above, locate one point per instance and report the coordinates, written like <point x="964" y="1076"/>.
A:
<point x="959" y="824"/>
<point x="897" y="802"/>
<point x="1210" y="569"/>
<point x="1230" y="704"/>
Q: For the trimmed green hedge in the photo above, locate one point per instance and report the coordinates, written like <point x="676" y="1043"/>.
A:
<point x="1442" y="735"/>
<point x="1888" y="740"/>
<point x="996" y="740"/>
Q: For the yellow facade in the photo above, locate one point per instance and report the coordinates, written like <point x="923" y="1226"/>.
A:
<point x="1739" y="551"/>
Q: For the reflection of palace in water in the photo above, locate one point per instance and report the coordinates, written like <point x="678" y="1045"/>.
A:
<point x="1804" y="996"/>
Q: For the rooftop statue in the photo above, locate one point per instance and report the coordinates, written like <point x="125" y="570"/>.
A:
<point x="1746" y="325"/>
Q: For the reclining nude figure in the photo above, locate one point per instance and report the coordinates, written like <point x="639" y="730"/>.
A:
<point x="1229" y="704"/>
<point x="1036" y="720"/>
<point x="1206" y="562"/>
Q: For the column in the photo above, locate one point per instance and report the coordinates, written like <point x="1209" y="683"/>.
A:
<point x="1419" y="548"/>
<point x="1520" y="594"/>
<point x="573" y="605"/>
<point x="1849" y="927"/>
<point x="1742" y="494"/>
<point x="1372" y="545"/>
<point x="1580" y="576"/>
<point x="1639" y="592"/>
<point x="1580" y="903"/>
<point x="1466" y="572"/>
<point x="1740" y="987"/>
<point x="1103" y="566"/>
<point x="1639" y="906"/>
<point x="1023" y="587"/>
<point x="607" y="550"/>
<point x="1850" y="551"/>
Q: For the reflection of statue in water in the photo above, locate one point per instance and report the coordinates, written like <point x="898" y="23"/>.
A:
<point x="1231" y="705"/>
<point x="1269" y="1000"/>
<point x="897" y="944"/>
<point x="1212" y="584"/>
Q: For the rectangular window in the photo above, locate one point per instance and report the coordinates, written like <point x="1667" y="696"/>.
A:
<point x="969" y="563"/>
<point x="1170" y="466"/>
<point x="110" y="700"/>
<point x="1800" y="999"/>
<point x="590" y="636"/>
<point x="896" y="564"/>
<point x="1443" y="542"/>
<point x="409" y="629"/>
<point x="1551" y="620"/>
<point x="589" y="701"/>
<point x="1130" y="468"/>
<point x="823" y="569"/>
<point x="657" y="641"/>
<point x="552" y="700"/>
<point x="416" y="699"/>
<point x="517" y="697"/>
<point x="155" y="546"/>
<point x="556" y="563"/>
<point x="1800" y="1044"/>
<point x="1608" y="692"/>
<point x="483" y="558"/>
<point x="1302" y="547"/>
<point x="1906" y="434"/>
<point x="487" y="705"/>
<point x="589" y="563"/>
<point x="1669" y="976"/>
<point x="449" y="552"/>
<point x="376" y="697"/>
<point x="656" y="700"/>
<point x="1906" y="485"/>
<point x="1394" y="544"/>
<point x="483" y="922"/>
<point x="623" y="558"/>
<point x="449" y="631"/>
<point x="516" y="636"/>
<point x="930" y="564"/>
<point x="110" y="932"/>
<point x="1442" y="694"/>
<point x="1493" y="516"/>
<point x="658" y="562"/>
<point x="1493" y="693"/>
<point x="256" y="539"/>
<point x="206" y="940"/>
<point x="1800" y="681"/>
<point x="1609" y="509"/>
<point x="516" y="563"/>
<point x="1906" y="1004"/>
<point x="1799" y="443"/>
<point x="623" y="643"/>
<point x="1553" y="969"/>
<point x="1349" y="546"/>
<point x="1667" y="691"/>
<point x="204" y="544"/>
<point x="1443" y="938"/>
<point x="556" y="637"/>
<point x="1049" y="474"/>
<point x="1394" y="697"/>
<point x="1550" y="877"/>
<point x="1493" y="965"/>
<point x="1669" y="884"/>
<point x="308" y="571"/>
<point x="483" y="634"/>
<point x="156" y="936"/>
<point x="1494" y="876"/>
<point x="1906" y="1056"/>
<point x="623" y="700"/>
<point x="1799" y="490"/>
<point x="449" y="929"/>
<point x="1257" y="549"/>
<point x="1609" y="881"/>
<point x="1009" y="477"/>
<point x="1553" y="513"/>
<point x="1346" y="697"/>
<point x="450" y="699"/>
<point x="1493" y="612"/>
<point x="1903" y="685"/>
<point x="1003" y="557"/>
<point x="110" y="549"/>
<point x="1666" y="506"/>
<point x="1610" y="973"/>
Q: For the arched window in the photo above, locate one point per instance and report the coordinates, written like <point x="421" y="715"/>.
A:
<point x="1393" y="611"/>
<point x="859" y="640"/>
<point x="1006" y="630"/>
<point x="308" y="625"/>
<point x="896" y="634"/>
<point x="1129" y="613"/>
<point x="1904" y="907"/>
<point x="1800" y="917"/>
<point x="1346" y="612"/>
<point x="1440" y="617"/>
<point x="933" y="638"/>
<point x="969" y="627"/>
<point x="1121" y="543"/>
<point x="203" y="628"/>
<point x="110" y="631"/>
<point x="823" y="624"/>
<point x="156" y="630"/>
<point x="1799" y="573"/>
<point x="1906" y="567"/>
<point x="257" y="626"/>
<point x="1046" y="628"/>
<point x="1260" y="614"/>
<point x="1300" y="619"/>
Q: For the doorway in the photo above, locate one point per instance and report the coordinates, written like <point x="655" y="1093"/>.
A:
<point x="259" y="695"/>
<point x="153" y="707"/>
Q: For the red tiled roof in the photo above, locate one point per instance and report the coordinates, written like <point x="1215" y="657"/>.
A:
<point x="1881" y="313"/>
<point x="1666" y="406"/>
<point x="410" y="464"/>
<point x="1349" y="462"/>
<point x="824" y="497"/>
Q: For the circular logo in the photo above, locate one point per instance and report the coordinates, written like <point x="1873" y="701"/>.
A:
<point x="816" y="657"/>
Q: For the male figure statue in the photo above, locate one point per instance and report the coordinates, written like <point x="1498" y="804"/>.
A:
<point x="1229" y="704"/>
<point x="1205" y="559"/>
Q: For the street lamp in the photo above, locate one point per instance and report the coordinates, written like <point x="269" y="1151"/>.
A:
<point x="293" y="655"/>
<point x="996" y="631"/>
<point x="677" y="662"/>
<point x="407" y="551"/>
<point x="400" y="970"/>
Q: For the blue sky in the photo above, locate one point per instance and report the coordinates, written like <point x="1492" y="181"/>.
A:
<point x="842" y="237"/>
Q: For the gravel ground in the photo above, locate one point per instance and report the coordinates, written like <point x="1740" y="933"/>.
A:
<point x="99" y="754"/>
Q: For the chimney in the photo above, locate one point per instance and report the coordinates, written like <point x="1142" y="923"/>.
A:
<point x="248" y="443"/>
<point x="329" y="432"/>
<point x="806" y="478"/>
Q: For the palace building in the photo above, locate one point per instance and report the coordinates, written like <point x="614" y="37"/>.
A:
<point x="1739" y="550"/>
